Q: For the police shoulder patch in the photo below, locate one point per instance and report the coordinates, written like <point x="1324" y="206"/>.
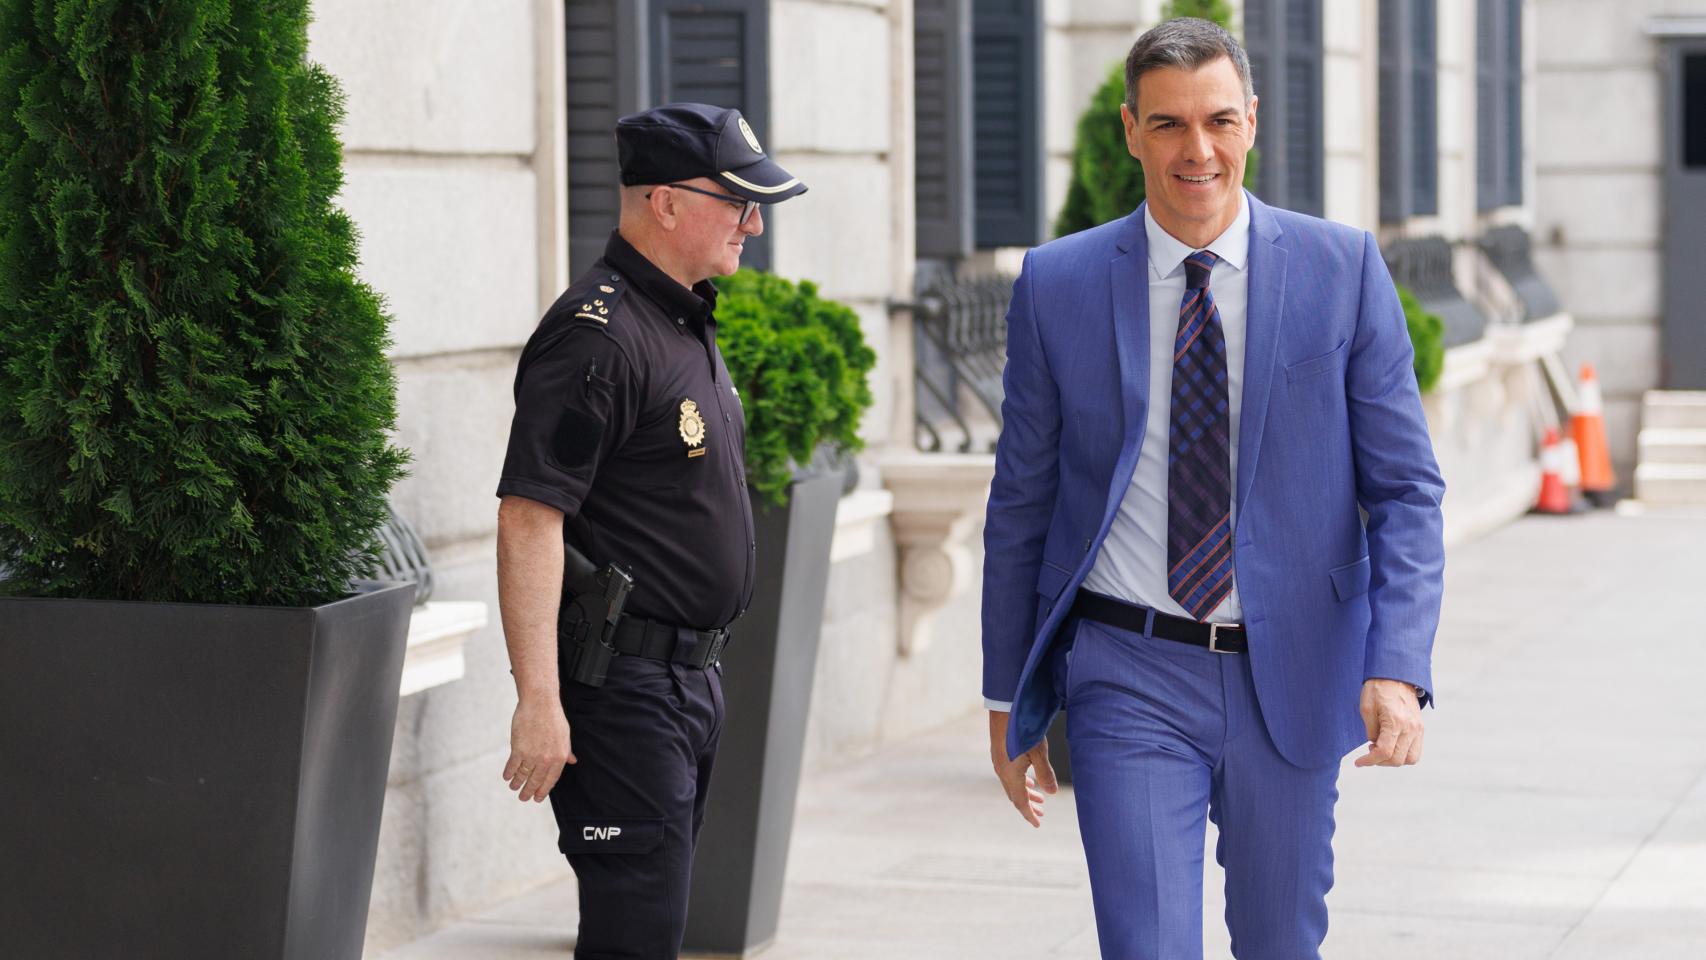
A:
<point x="596" y="297"/>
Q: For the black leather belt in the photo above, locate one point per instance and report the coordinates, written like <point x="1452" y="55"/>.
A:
<point x="1219" y="637"/>
<point x="653" y="640"/>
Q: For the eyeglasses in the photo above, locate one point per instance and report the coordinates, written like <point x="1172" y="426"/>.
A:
<point x="746" y="206"/>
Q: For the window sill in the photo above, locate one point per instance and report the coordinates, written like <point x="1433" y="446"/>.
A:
<point x="437" y="633"/>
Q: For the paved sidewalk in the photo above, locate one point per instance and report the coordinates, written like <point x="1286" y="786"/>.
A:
<point x="1560" y="811"/>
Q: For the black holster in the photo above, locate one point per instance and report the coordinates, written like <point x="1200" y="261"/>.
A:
<point x="586" y="621"/>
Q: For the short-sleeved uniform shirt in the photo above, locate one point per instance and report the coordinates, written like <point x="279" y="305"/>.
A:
<point x="626" y="420"/>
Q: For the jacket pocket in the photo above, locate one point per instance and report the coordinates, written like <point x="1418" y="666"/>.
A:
<point x="1350" y="580"/>
<point x="610" y="835"/>
<point x="1051" y="579"/>
<point x="1316" y="366"/>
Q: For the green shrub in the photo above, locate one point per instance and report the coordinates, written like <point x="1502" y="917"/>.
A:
<point x="1217" y="11"/>
<point x="1107" y="182"/>
<point x="800" y="363"/>
<point x="1427" y="333"/>
<point x="194" y="396"/>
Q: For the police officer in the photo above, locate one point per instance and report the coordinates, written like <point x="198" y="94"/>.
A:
<point x="627" y="445"/>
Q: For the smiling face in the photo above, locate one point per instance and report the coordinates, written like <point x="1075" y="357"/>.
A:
<point x="1191" y="132"/>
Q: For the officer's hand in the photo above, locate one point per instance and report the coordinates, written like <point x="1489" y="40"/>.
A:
<point x="538" y="747"/>
<point x="1015" y="777"/>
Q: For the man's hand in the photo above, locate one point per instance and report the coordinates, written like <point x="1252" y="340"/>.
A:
<point x="1393" y="716"/>
<point x="538" y="747"/>
<point x="1015" y="777"/>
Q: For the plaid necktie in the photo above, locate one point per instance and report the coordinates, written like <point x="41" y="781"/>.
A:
<point x="1199" y="471"/>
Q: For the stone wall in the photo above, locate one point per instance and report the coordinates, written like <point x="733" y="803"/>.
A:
<point x="832" y="128"/>
<point x="1084" y="40"/>
<point x="1599" y="191"/>
<point x="1349" y="72"/>
<point x="441" y="146"/>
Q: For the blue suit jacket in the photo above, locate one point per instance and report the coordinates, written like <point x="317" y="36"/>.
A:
<point x="1331" y="420"/>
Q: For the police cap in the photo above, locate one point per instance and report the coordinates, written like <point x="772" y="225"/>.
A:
<point x="680" y="141"/>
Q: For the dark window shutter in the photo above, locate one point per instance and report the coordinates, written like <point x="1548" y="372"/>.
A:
<point x="716" y="52"/>
<point x="1486" y="108"/>
<point x="1007" y="122"/>
<point x="1513" y="102"/>
<point x="942" y="119"/>
<point x="1258" y="21"/>
<point x="1498" y="101"/>
<point x="1306" y="150"/>
<point x="1424" y="108"/>
<point x="1394" y="202"/>
<point x="1283" y="39"/>
<point x="1258" y="45"/>
<point x="604" y="80"/>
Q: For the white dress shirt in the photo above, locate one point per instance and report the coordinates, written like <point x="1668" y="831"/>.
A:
<point x="1132" y="563"/>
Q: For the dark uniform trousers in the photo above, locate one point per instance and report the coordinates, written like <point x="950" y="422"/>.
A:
<point x="630" y="808"/>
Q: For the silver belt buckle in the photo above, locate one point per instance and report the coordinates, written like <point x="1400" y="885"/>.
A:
<point x="1214" y="636"/>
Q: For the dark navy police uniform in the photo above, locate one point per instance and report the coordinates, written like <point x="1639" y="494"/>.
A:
<point x="627" y="422"/>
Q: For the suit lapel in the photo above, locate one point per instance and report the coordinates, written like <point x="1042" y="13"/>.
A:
<point x="1264" y="315"/>
<point x="1129" y="271"/>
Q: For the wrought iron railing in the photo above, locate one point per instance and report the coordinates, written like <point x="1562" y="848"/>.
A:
<point x="403" y="557"/>
<point x="1509" y="250"/>
<point x="1424" y="265"/>
<point x="960" y="341"/>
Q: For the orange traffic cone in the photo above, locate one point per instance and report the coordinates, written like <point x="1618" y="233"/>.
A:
<point x="1588" y="428"/>
<point x="1554" y="496"/>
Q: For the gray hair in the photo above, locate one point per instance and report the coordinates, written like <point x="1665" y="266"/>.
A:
<point x="1187" y="43"/>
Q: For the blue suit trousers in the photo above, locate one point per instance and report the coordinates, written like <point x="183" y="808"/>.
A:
<point x="1164" y="734"/>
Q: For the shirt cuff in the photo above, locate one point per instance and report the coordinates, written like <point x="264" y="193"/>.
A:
<point x="999" y="706"/>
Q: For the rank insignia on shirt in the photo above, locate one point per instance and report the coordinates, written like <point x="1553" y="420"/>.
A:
<point x="692" y="428"/>
<point x="601" y="304"/>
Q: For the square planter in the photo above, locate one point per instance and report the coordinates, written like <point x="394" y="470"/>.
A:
<point x="736" y="894"/>
<point x="193" y="781"/>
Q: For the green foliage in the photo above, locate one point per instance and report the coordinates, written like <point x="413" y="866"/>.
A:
<point x="1427" y="332"/>
<point x="1107" y="182"/>
<point x="800" y="363"/>
<point x="1216" y="11"/>
<point x="194" y="396"/>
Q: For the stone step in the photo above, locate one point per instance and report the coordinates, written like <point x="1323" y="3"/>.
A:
<point x="1673" y="445"/>
<point x="1674" y="409"/>
<point x="1671" y="483"/>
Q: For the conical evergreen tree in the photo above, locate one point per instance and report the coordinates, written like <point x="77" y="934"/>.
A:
<point x="194" y="396"/>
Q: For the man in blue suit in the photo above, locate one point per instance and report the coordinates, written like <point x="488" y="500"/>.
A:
<point x="1214" y="532"/>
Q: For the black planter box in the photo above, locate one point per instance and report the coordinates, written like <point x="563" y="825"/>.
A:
<point x="192" y="781"/>
<point x="736" y="894"/>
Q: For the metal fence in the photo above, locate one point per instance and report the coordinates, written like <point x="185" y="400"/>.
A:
<point x="960" y="332"/>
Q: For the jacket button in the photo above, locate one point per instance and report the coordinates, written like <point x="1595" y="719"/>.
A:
<point x="1086" y="546"/>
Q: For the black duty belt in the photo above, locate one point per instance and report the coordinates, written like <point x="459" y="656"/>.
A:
<point x="635" y="637"/>
<point x="1219" y="637"/>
